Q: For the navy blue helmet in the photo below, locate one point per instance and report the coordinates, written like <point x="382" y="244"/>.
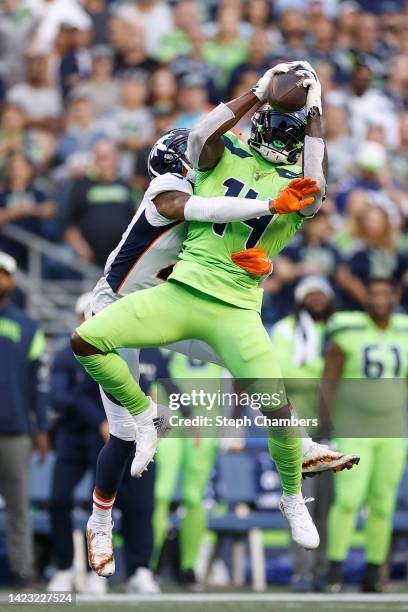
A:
<point x="168" y="154"/>
<point x="277" y="135"/>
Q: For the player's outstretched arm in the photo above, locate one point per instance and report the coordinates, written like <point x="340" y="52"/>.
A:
<point x="314" y="152"/>
<point x="205" y="144"/>
<point x="225" y="209"/>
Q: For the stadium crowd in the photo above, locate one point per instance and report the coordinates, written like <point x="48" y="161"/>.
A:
<point x="87" y="86"/>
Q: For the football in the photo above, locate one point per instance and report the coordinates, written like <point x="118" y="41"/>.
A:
<point x="286" y="91"/>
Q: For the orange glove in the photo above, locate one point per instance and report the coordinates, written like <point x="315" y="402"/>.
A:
<point x="255" y="261"/>
<point x="293" y="197"/>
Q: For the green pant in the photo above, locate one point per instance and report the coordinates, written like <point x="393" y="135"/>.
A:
<point x="193" y="461"/>
<point x="374" y="484"/>
<point x="171" y="312"/>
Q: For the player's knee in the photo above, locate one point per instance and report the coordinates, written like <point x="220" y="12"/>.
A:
<point x="348" y="504"/>
<point x="82" y="348"/>
<point x="382" y="508"/>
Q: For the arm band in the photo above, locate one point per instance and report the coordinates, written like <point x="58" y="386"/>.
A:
<point x="224" y="209"/>
<point x="313" y="155"/>
<point x="204" y="129"/>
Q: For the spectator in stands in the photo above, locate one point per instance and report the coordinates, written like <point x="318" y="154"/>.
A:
<point x="377" y="254"/>
<point x="258" y="60"/>
<point x="99" y="209"/>
<point x="16" y="21"/>
<point x="131" y="123"/>
<point x="127" y="40"/>
<point x="226" y="50"/>
<point x="371" y="174"/>
<point x="177" y="42"/>
<point x="101" y="88"/>
<point x="366" y="105"/>
<point x="154" y="16"/>
<point x="40" y="101"/>
<point x="76" y="63"/>
<point x="338" y="142"/>
<point x="310" y="254"/>
<point x="163" y="88"/>
<point x="398" y="160"/>
<point x="299" y="339"/>
<point x="82" y="130"/>
<point x="24" y="396"/>
<point x="192" y="101"/>
<point x="98" y="11"/>
<point x="292" y="25"/>
<point x="12" y="131"/>
<point x="82" y="429"/>
<point x="23" y="204"/>
<point x="193" y="63"/>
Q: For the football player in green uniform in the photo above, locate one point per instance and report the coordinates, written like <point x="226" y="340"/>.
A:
<point x="191" y="456"/>
<point x="371" y="346"/>
<point x="213" y="293"/>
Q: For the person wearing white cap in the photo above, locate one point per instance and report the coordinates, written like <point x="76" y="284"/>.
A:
<point x="299" y="340"/>
<point x="23" y="396"/>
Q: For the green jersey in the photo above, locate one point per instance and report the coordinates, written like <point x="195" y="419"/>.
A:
<point x="205" y="261"/>
<point x="371" y="352"/>
<point x="372" y="395"/>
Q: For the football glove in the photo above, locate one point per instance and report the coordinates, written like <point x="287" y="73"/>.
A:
<point x="261" y="88"/>
<point x="255" y="261"/>
<point x="293" y="197"/>
<point x="314" y="90"/>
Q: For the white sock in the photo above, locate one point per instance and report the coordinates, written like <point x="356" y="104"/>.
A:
<point x="102" y="509"/>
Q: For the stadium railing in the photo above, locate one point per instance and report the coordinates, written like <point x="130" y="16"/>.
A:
<point x="51" y="300"/>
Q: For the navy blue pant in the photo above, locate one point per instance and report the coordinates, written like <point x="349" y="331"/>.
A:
<point x="75" y="455"/>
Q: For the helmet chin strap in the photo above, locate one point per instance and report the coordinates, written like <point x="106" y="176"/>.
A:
<point x="270" y="155"/>
<point x="191" y="174"/>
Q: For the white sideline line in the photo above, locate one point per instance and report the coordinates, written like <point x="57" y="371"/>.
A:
<point x="246" y="597"/>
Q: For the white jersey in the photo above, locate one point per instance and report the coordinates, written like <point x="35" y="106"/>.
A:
<point x="148" y="250"/>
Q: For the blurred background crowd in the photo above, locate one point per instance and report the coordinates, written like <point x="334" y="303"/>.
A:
<point x="87" y="86"/>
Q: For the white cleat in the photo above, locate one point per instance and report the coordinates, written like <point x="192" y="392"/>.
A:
<point x="143" y="583"/>
<point x="320" y="458"/>
<point x="150" y="427"/>
<point x="96" y="585"/>
<point x="302" y="527"/>
<point x="62" y="580"/>
<point x="100" y="549"/>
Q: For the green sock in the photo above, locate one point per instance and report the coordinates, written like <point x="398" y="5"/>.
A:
<point x="159" y="521"/>
<point x="113" y="374"/>
<point x="191" y="534"/>
<point x="287" y="455"/>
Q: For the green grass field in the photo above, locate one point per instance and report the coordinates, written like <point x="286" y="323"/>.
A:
<point x="226" y="602"/>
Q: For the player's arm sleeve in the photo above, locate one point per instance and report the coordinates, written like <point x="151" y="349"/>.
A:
<point x="38" y="380"/>
<point x="205" y="144"/>
<point x="224" y="209"/>
<point x="315" y="162"/>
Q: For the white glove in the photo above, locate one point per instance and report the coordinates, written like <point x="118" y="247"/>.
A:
<point x="305" y="66"/>
<point x="261" y="88"/>
<point x="314" y="90"/>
